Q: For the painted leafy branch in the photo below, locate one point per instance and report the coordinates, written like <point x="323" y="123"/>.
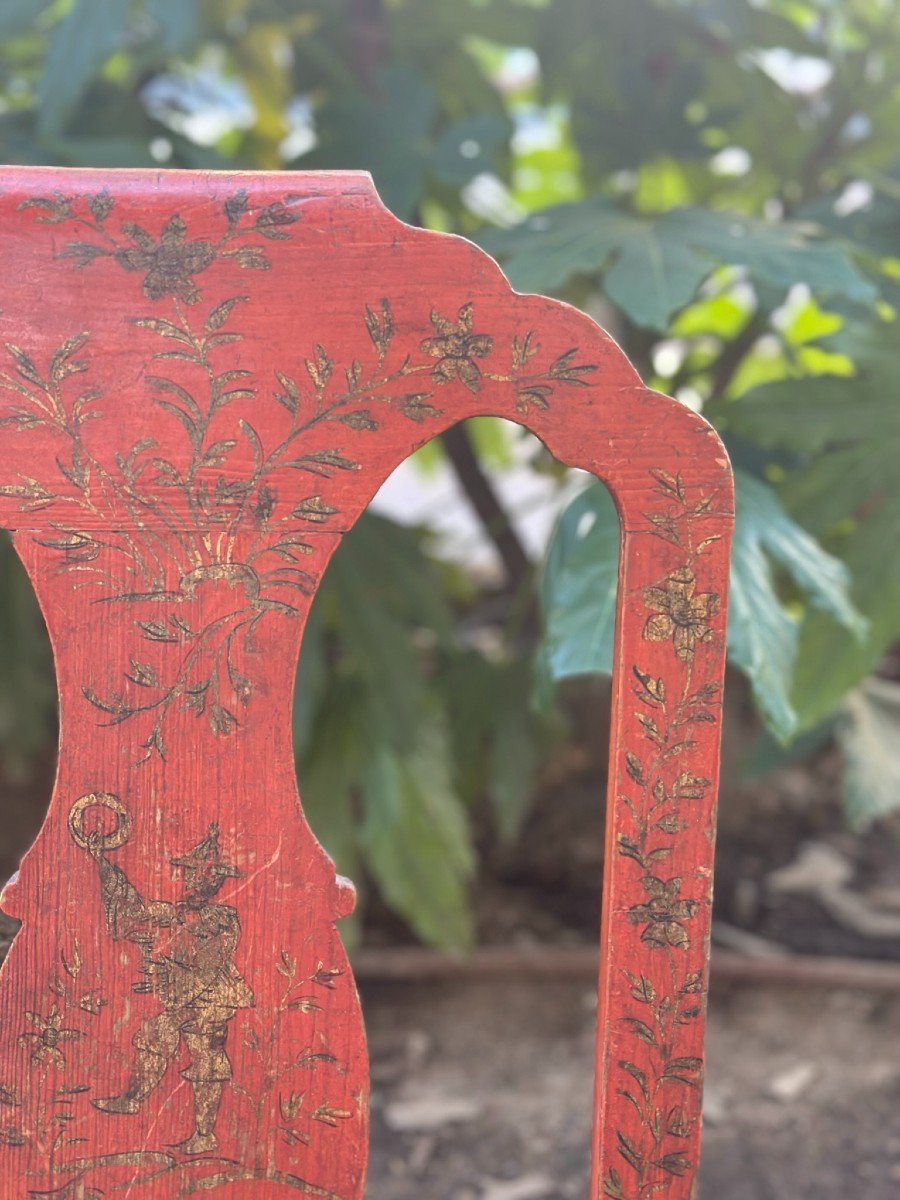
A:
<point x="292" y="1112"/>
<point x="38" y="1112"/>
<point x="202" y="518"/>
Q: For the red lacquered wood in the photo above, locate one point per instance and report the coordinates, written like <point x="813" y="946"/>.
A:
<point x="203" y="381"/>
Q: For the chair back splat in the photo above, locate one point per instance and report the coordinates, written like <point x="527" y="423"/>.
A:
<point x="204" y="379"/>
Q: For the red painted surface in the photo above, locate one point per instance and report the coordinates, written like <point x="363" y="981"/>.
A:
<point x="203" y="381"/>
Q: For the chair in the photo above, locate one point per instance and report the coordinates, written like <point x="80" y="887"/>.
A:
<point x="204" y="379"/>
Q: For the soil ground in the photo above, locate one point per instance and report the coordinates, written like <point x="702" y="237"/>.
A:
<point x="482" y="1091"/>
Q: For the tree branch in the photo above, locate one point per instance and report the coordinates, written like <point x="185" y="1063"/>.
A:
<point x="483" y="499"/>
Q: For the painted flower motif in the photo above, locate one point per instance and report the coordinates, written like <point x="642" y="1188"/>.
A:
<point x="663" y="913"/>
<point x="457" y="348"/>
<point x="45" y="1041"/>
<point x="170" y="263"/>
<point x="680" y="613"/>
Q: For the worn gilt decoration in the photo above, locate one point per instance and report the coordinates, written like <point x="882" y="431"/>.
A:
<point x="204" y="379"/>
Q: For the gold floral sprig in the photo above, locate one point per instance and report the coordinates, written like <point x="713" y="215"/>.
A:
<point x="170" y="263"/>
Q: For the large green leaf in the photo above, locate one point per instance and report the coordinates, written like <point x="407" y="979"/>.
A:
<point x="27" y="694"/>
<point x="652" y="266"/>
<point x="777" y="255"/>
<point x="649" y="275"/>
<point x="845" y="430"/>
<point x="387" y="135"/>
<point x="578" y="586"/>
<point x="629" y="74"/>
<point x="845" y="436"/>
<point x="375" y="592"/>
<point x="390" y="813"/>
<point x="178" y="21"/>
<point x="415" y="835"/>
<point x="16" y="16"/>
<point x="869" y="735"/>
<point x="830" y="660"/>
<point x="381" y="778"/>
<point x="79" y="45"/>
<point x="762" y="632"/>
<point x="330" y="767"/>
<point x="469" y="147"/>
<point x="497" y="735"/>
<point x="578" y="592"/>
<point x="515" y="750"/>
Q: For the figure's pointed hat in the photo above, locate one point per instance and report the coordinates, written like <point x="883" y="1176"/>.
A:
<point x="206" y="854"/>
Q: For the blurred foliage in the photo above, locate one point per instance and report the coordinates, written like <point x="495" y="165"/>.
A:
<point x="716" y="179"/>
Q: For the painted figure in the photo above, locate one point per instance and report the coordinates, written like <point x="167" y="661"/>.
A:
<point x="187" y="950"/>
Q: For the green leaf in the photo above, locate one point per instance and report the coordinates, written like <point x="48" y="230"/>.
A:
<point x="768" y="754"/>
<point x="822" y="577"/>
<point x="498" y="735"/>
<point x="762" y="633"/>
<point x="386" y="135"/>
<point x="873" y="226"/>
<point x="578" y="586"/>
<point x="469" y="148"/>
<point x="78" y="46"/>
<point x="649" y="275"/>
<point x="579" y="582"/>
<point x="27" y="692"/>
<point x="777" y="255"/>
<point x="869" y="736"/>
<point x="847" y="429"/>
<point x="311" y="679"/>
<point x="653" y="276"/>
<point x="652" y="266"/>
<point x="17" y="16"/>
<point x="515" y="750"/>
<point x="101" y="151"/>
<point x="378" y="589"/>
<point x="179" y="23"/>
<point x="830" y="660"/>
<point x="330" y="764"/>
<point x="329" y="769"/>
<point x="416" y="837"/>
<point x="845" y="437"/>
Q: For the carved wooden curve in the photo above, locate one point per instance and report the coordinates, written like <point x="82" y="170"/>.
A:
<point x="203" y="381"/>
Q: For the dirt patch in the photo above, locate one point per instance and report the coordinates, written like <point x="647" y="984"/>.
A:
<point x="803" y="1093"/>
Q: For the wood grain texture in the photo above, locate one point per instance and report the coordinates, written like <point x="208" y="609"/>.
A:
<point x="204" y="379"/>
